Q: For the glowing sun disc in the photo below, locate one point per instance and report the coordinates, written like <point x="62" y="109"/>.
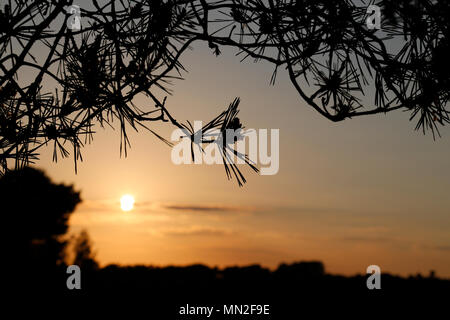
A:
<point x="127" y="202"/>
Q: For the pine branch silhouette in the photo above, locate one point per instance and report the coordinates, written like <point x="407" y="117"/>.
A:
<point x="131" y="48"/>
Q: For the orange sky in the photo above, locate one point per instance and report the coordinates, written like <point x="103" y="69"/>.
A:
<point x="364" y="191"/>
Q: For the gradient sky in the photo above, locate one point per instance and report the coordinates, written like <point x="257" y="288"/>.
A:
<point x="364" y="191"/>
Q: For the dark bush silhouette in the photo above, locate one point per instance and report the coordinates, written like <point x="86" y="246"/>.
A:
<point x="35" y="214"/>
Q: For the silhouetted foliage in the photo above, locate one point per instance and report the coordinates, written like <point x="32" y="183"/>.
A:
<point x="127" y="49"/>
<point x="84" y="256"/>
<point x="35" y="214"/>
<point x="290" y="290"/>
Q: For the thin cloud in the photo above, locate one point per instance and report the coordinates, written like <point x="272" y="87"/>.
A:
<point x="155" y="206"/>
<point x="197" y="231"/>
<point x="442" y="248"/>
<point x="367" y="239"/>
<point x="208" y="208"/>
<point x="199" y="208"/>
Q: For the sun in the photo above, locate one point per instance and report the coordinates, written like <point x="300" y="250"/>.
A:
<point x="127" y="202"/>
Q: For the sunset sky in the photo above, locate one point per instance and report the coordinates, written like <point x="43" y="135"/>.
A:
<point x="365" y="191"/>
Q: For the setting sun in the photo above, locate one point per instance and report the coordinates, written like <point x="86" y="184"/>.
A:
<point x="127" y="202"/>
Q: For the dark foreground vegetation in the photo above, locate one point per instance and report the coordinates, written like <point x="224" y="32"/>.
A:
<point x="290" y="290"/>
<point x="35" y="215"/>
